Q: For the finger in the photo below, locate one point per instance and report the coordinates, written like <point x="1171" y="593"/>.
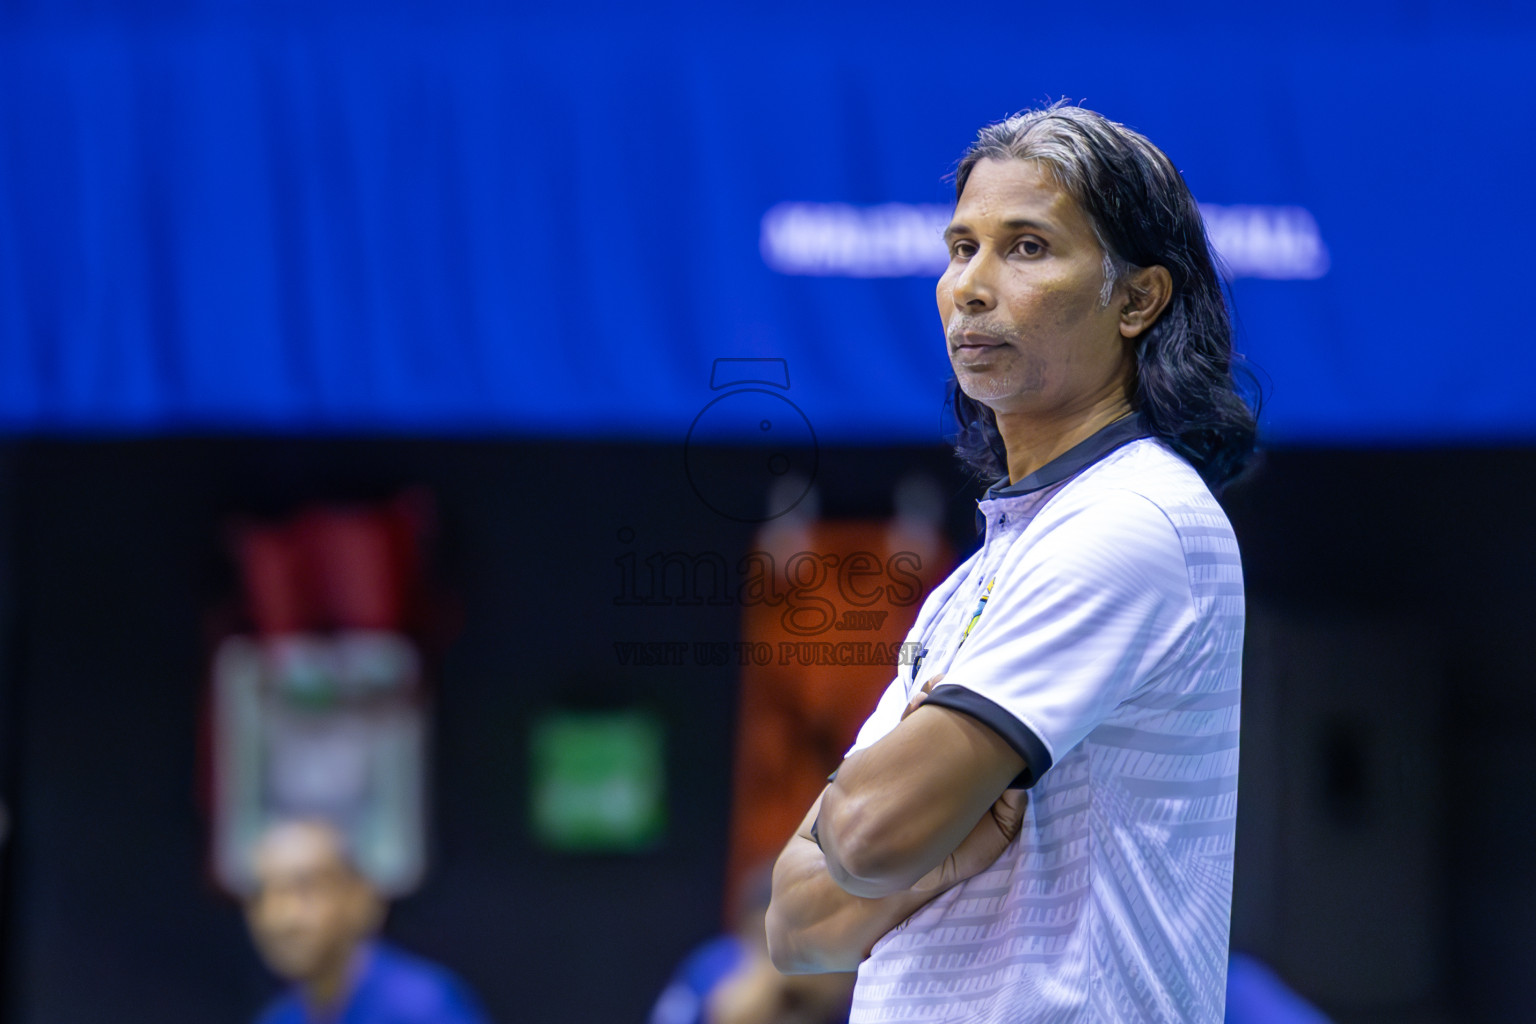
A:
<point x="1008" y="811"/>
<point x="1013" y="800"/>
<point x="921" y="695"/>
<point x="912" y="705"/>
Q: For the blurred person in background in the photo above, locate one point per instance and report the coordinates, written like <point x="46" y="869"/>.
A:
<point x="730" y="979"/>
<point x="315" y="917"/>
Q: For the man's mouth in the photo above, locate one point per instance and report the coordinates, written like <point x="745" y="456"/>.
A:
<point x="972" y="342"/>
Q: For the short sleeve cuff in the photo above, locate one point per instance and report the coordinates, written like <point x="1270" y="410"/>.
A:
<point x="1037" y="759"/>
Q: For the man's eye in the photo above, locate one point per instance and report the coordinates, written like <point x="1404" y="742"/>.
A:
<point x="1029" y="247"/>
<point x="962" y="250"/>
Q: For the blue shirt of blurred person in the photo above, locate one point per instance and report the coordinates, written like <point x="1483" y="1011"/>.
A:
<point x="1256" y="995"/>
<point x="682" y="1001"/>
<point x="392" y="987"/>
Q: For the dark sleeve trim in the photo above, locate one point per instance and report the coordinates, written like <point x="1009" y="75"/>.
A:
<point x="1037" y="759"/>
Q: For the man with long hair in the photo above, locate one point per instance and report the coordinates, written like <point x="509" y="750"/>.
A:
<point x="1037" y="821"/>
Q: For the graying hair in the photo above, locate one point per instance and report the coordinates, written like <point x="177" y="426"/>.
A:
<point x="1053" y="136"/>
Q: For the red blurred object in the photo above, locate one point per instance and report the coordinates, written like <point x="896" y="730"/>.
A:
<point x="333" y="567"/>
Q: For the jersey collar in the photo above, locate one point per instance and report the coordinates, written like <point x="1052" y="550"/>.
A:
<point x="1075" y="459"/>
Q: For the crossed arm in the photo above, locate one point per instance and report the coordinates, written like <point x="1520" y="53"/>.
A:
<point x="921" y="810"/>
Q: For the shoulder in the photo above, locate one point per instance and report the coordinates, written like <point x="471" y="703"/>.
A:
<point x="1150" y="468"/>
<point x="1143" y="497"/>
<point x="414" y="990"/>
<point x="1139" y="522"/>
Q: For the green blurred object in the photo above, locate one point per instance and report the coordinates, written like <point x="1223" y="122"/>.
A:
<point x="598" y="781"/>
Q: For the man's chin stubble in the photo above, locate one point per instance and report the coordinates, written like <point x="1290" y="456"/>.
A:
<point x="984" y="387"/>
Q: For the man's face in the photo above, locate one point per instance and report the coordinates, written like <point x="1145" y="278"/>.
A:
<point x="1025" y="326"/>
<point x="309" y="910"/>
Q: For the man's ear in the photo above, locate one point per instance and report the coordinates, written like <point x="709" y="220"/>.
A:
<point x="1147" y="292"/>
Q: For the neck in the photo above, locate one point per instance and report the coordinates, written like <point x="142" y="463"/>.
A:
<point x="329" y="988"/>
<point x="1033" y="440"/>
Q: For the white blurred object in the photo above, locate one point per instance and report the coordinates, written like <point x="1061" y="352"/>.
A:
<point x="1278" y="243"/>
<point x="326" y="727"/>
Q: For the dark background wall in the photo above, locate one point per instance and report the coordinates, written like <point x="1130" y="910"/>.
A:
<point x="1387" y="801"/>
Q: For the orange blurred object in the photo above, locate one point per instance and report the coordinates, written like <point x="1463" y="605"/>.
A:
<point x="843" y="596"/>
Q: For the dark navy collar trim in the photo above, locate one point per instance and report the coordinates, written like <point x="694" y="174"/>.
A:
<point x="1075" y="459"/>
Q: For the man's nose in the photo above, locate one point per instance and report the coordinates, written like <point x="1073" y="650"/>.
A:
<point x="973" y="286"/>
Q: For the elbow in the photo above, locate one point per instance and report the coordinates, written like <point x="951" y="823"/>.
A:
<point x="811" y="950"/>
<point x="784" y="927"/>
<point x="782" y="948"/>
<point x="871" y="867"/>
<point x="868" y="859"/>
<point x="787" y="946"/>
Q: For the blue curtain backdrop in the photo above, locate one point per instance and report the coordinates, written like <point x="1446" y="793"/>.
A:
<point x="473" y="219"/>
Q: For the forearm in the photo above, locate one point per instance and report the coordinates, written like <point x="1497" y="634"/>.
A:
<point x="890" y="838"/>
<point x="815" y="926"/>
<point x="870" y="854"/>
<point x="895" y="810"/>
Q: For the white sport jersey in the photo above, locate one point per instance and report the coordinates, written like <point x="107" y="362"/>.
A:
<point x="1099" y="630"/>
